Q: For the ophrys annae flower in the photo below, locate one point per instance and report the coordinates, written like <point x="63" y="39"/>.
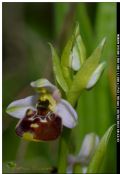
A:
<point x="43" y="115"/>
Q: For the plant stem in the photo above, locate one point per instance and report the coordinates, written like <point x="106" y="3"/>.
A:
<point x="22" y="148"/>
<point x="63" y="151"/>
<point x="64" y="141"/>
<point x="77" y="168"/>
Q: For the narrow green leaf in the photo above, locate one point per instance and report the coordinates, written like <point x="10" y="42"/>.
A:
<point x="99" y="155"/>
<point x="57" y="70"/>
<point x="65" y="63"/>
<point x="83" y="75"/>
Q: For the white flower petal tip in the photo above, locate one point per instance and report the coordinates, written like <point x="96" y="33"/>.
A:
<point x="88" y="148"/>
<point x="74" y="61"/>
<point x="43" y="83"/>
<point x="18" y="108"/>
<point x="96" y="75"/>
<point x="67" y="113"/>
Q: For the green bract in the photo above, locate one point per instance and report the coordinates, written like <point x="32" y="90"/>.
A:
<point x="74" y="72"/>
<point x="78" y="54"/>
<point x="99" y="155"/>
<point x="84" y="74"/>
<point x="91" y="154"/>
<point x="58" y="70"/>
<point x="65" y="58"/>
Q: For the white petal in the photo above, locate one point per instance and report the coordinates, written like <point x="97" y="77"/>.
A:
<point x="88" y="148"/>
<point x="96" y="75"/>
<point x="57" y="95"/>
<point x="18" y="108"/>
<point x="67" y="113"/>
<point x="74" y="59"/>
<point x="43" y="83"/>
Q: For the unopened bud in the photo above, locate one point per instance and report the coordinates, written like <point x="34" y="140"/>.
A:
<point x="95" y="75"/>
<point x="88" y="148"/>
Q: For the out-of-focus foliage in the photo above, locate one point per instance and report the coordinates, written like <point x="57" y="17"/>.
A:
<point x="27" y="29"/>
<point x="98" y="157"/>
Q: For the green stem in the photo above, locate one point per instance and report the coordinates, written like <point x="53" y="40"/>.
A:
<point x="63" y="150"/>
<point x="77" y="168"/>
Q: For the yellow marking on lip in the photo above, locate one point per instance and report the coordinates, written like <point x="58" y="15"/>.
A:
<point x="29" y="112"/>
<point x="43" y="90"/>
<point x="34" y="125"/>
<point x="28" y="136"/>
<point x="50" y="99"/>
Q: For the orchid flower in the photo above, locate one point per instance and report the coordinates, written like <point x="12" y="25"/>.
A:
<point x="43" y="115"/>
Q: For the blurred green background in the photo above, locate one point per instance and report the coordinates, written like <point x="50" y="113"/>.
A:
<point x="27" y="29"/>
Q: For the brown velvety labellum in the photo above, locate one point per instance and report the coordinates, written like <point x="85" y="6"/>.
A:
<point x="42" y="125"/>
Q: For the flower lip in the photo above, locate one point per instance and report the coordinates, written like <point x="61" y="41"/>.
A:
<point x="39" y="126"/>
